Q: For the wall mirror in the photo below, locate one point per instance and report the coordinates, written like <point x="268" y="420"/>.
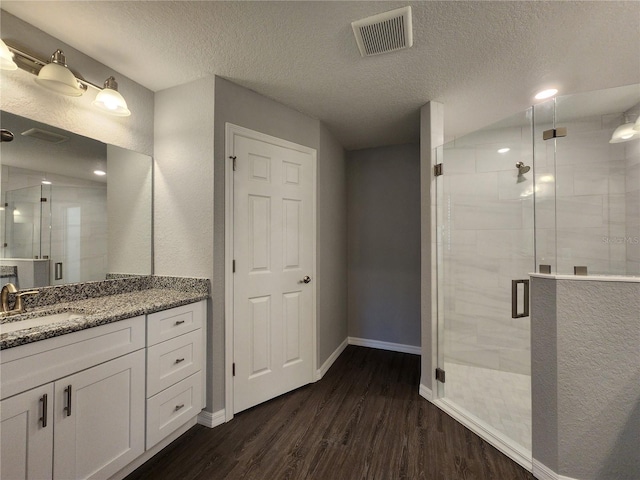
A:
<point x="72" y="209"/>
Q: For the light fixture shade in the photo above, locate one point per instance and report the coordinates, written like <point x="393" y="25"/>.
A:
<point x="636" y="127"/>
<point x="57" y="77"/>
<point x="624" y="133"/>
<point x="6" y="58"/>
<point x="110" y="100"/>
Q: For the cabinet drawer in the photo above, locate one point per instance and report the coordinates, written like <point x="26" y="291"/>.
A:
<point x="173" y="407"/>
<point x="36" y="363"/>
<point x="170" y="323"/>
<point x="174" y="360"/>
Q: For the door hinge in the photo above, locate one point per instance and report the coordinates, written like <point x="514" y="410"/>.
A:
<point x="554" y="133"/>
<point x="233" y="266"/>
<point x="437" y="169"/>
<point x="235" y="164"/>
<point x="233" y="369"/>
<point x="440" y="375"/>
<point x="42" y="199"/>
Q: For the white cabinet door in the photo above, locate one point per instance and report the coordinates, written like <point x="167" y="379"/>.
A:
<point x="99" y="416"/>
<point x="26" y="434"/>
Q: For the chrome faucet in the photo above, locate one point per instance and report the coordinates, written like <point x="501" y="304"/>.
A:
<point x="4" y="297"/>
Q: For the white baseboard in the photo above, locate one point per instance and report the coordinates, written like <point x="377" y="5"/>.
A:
<point x="211" y="420"/>
<point x="496" y="438"/>
<point x="542" y="472"/>
<point x="425" y="392"/>
<point x="332" y="358"/>
<point x="394" y="347"/>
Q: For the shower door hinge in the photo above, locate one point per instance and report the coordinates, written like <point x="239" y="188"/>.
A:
<point x="42" y="199"/>
<point x="235" y="165"/>
<point x="554" y="133"/>
<point x="440" y="375"/>
<point x="437" y="169"/>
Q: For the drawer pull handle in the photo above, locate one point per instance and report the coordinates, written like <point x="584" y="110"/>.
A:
<point x="43" y="418"/>
<point x="179" y="322"/>
<point x="68" y="407"/>
<point x="178" y="407"/>
<point x="179" y="360"/>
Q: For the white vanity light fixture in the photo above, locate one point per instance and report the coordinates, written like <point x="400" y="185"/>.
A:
<point x="56" y="76"/>
<point x="110" y="100"/>
<point x="6" y="58"/>
<point x="100" y="173"/>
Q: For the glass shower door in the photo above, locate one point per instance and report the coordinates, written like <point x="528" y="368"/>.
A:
<point x="485" y="220"/>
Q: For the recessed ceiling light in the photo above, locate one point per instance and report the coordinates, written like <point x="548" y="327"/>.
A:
<point x="504" y="150"/>
<point x="546" y="93"/>
<point x="100" y="172"/>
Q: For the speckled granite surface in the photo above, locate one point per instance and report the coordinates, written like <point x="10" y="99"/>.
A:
<point x="100" y="303"/>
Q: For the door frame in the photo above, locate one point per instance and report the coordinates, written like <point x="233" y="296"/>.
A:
<point x="230" y="131"/>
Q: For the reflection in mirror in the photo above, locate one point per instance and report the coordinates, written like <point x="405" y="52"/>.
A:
<point x="72" y="209"/>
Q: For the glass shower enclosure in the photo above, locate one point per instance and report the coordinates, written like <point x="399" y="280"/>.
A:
<point x="519" y="197"/>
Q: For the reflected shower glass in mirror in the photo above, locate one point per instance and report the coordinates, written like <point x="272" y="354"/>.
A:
<point x="73" y="209"/>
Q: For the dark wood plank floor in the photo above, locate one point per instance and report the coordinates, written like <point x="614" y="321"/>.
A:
<point x="363" y="420"/>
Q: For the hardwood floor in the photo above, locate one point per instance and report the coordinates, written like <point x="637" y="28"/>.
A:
<point x="363" y="420"/>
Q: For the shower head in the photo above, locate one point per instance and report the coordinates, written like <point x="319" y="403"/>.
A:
<point x="522" y="168"/>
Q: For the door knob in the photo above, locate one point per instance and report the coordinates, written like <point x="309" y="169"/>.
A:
<point x="306" y="279"/>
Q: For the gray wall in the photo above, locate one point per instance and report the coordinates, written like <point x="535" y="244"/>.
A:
<point x="383" y="186"/>
<point x="595" y="404"/>
<point x="22" y="96"/>
<point x="240" y="106"/>
<point x="332" y="248"/>
<point x="183" y="202"/>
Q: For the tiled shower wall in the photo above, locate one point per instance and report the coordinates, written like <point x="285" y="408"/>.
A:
<point x="487" y="240"/>
<point x="632" y="197"/>
<point x="588" y="218"/>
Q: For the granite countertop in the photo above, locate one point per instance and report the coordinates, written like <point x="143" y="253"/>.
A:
<point x="96" y="311"/>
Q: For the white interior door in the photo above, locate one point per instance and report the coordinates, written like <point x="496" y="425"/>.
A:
<point x="274" y="252"/>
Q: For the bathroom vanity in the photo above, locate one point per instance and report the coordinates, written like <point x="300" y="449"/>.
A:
<point x="89" y="385"/>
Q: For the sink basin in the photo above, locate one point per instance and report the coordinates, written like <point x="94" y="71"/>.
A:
<point x="39" y="321"/>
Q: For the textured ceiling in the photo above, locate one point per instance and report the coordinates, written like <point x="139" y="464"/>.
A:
<point x="483" y="60"/>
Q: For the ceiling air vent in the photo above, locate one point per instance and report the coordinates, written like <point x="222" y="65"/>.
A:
<point x="45" y="135"/>
<point x="385" y="32"/>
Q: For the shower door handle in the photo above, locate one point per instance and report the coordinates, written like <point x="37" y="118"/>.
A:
<point x="514" y="298"/>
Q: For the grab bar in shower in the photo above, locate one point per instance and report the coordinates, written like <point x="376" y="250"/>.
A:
<point x="514" y="298"/>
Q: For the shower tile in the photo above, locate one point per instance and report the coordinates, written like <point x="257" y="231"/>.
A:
<point x="512" y="244"/>
<point x="580" y="212"/>
<point x="489" y="160"/>
<point x="459" y="160"/>
<point x="510" y="189"/>
<point x="471" y="214"/>
<point x="594" y="181"/>
<point x="482" y="185"/>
